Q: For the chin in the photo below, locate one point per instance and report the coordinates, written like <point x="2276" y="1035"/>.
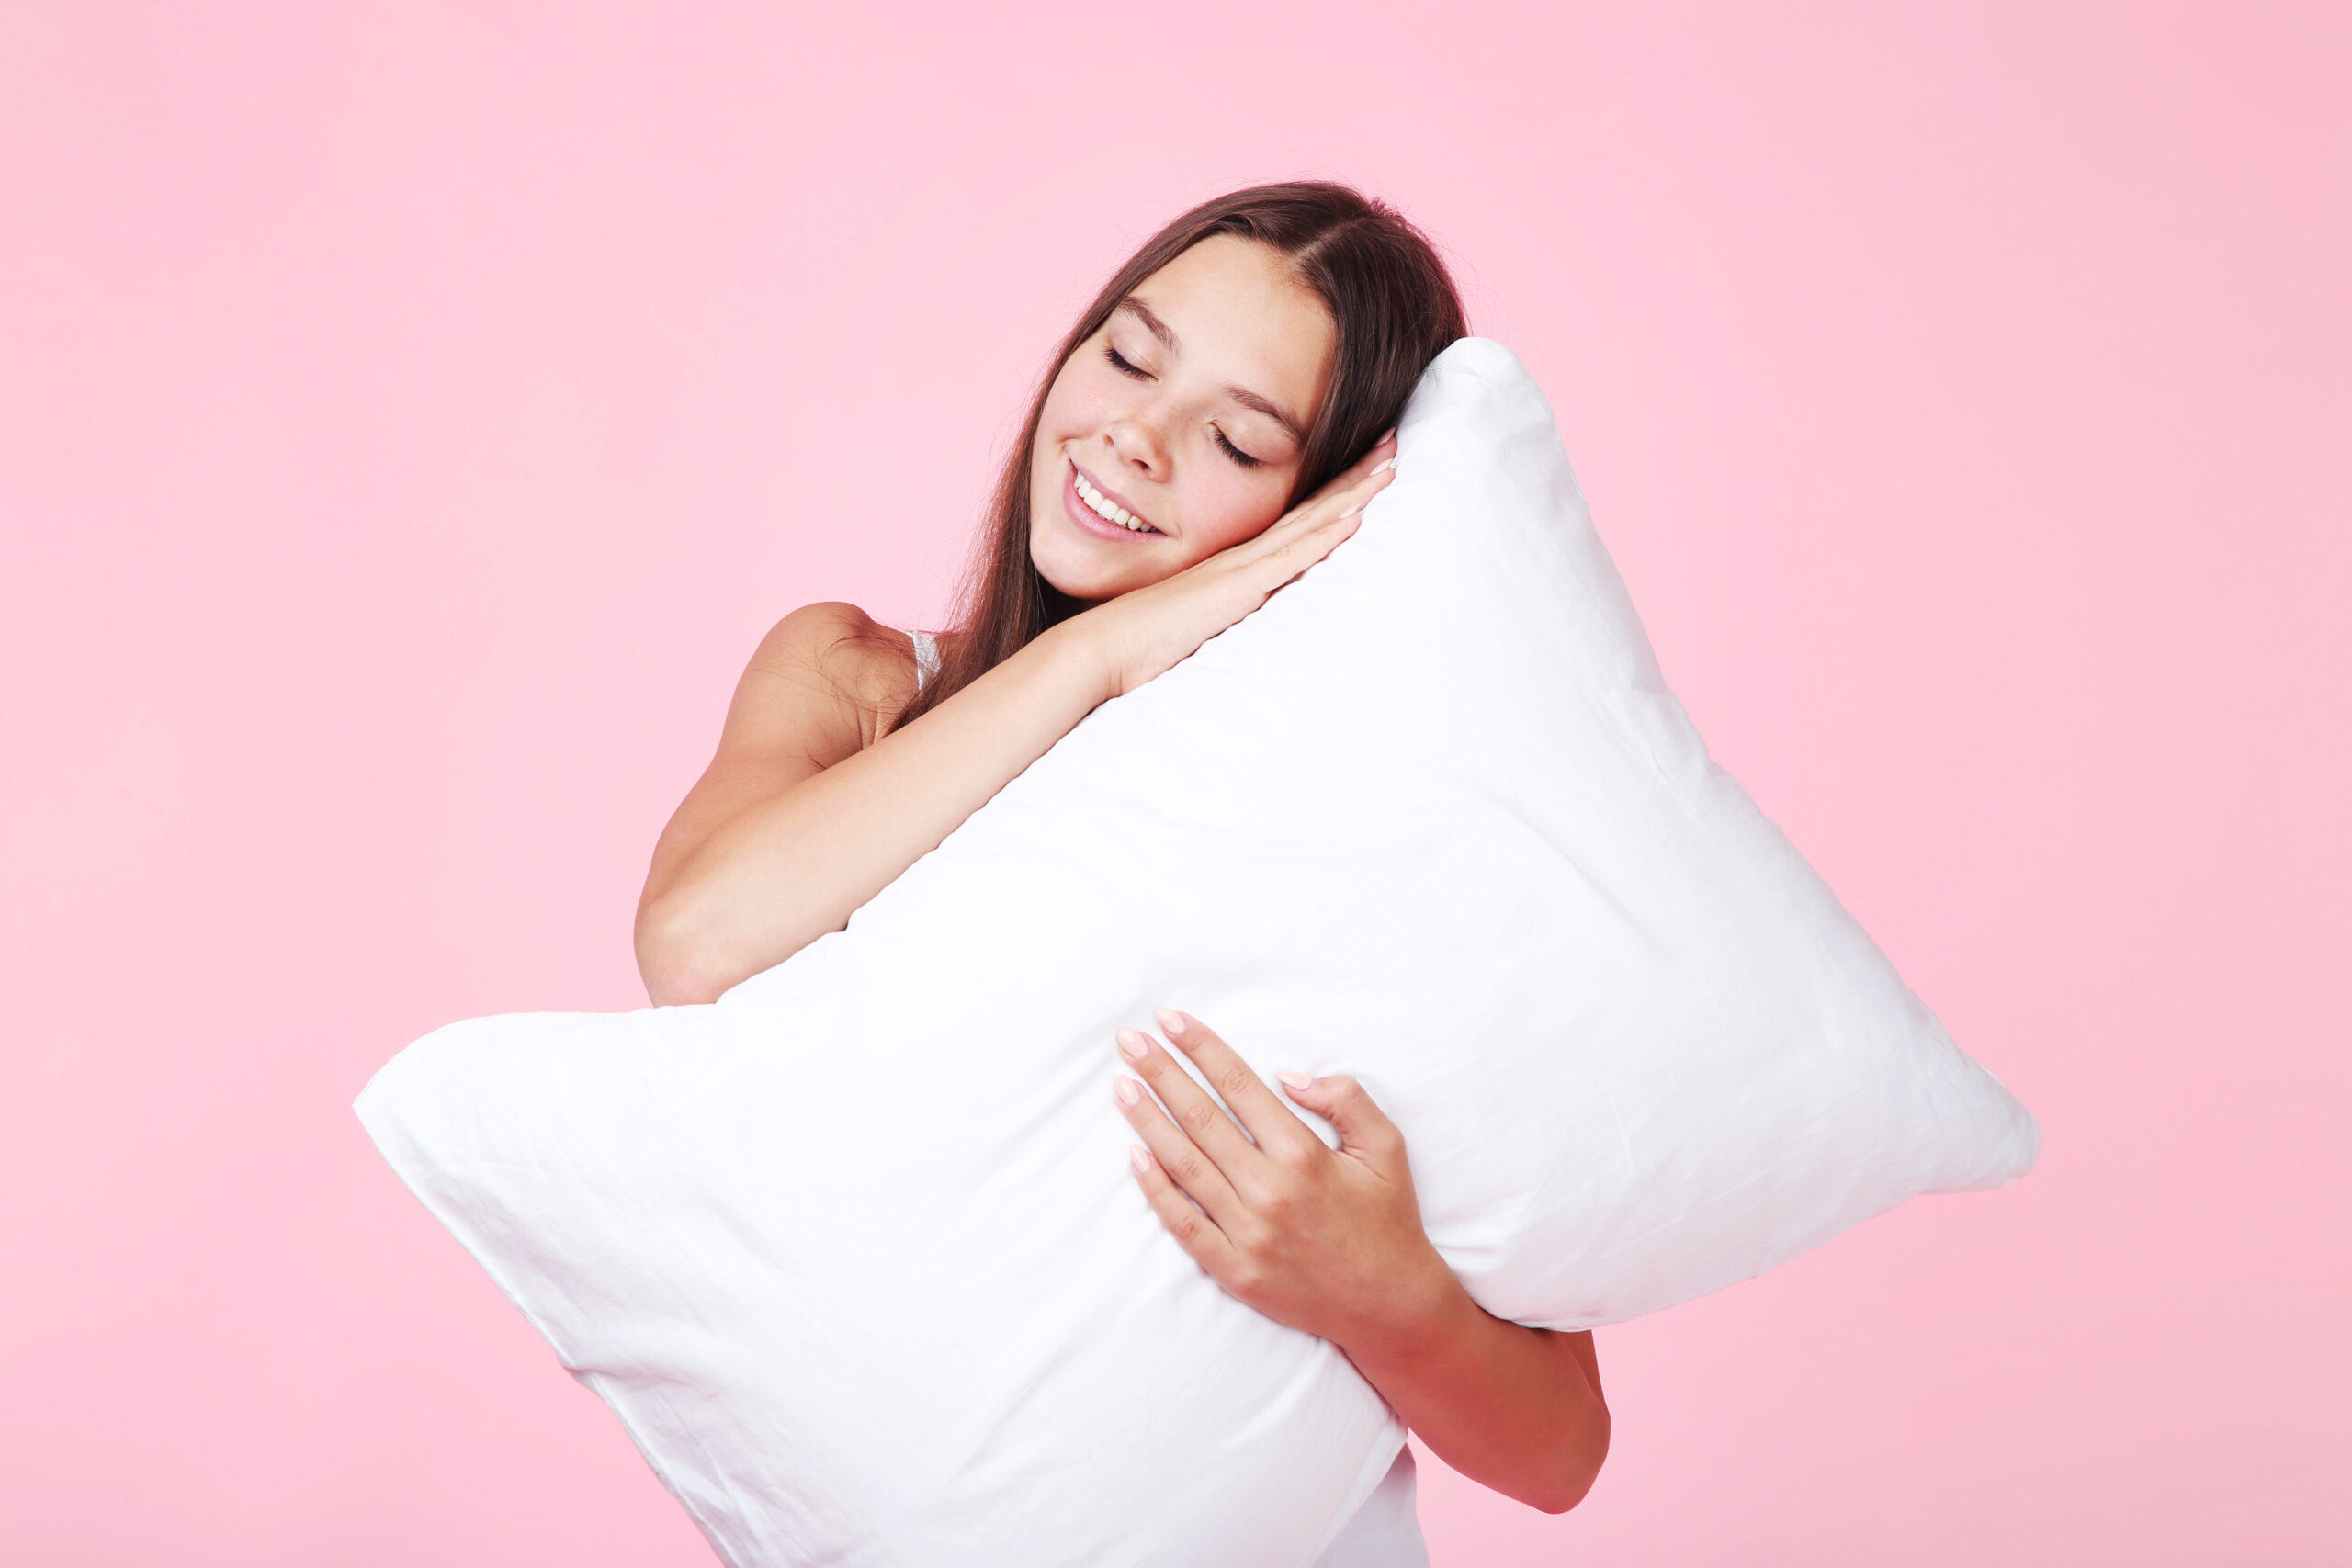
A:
<point x="1070" y="561"/>
<point x="1087" y="586"/>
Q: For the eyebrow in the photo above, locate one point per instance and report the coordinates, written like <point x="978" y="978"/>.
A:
<point x="1242" y="395"/>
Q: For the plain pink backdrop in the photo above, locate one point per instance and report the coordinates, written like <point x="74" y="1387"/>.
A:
<point x="412" y="414"/>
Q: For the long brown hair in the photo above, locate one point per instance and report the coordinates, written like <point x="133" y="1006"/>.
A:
<point x="1394" y="306"/>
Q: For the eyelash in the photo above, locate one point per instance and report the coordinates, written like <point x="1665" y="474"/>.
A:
<point x="1126" y="368"/>
<point x="1236" y="453"/>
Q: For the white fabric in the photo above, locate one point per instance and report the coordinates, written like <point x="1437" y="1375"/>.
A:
<point x="854" y="1251"/>
<point x="1386" y="1532"/>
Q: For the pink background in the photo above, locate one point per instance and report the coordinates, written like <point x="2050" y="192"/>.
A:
<point x="412" y="414"/>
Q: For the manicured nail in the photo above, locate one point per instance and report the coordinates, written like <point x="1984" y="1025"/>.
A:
<point x="1171" y="1022"/>
<point x="1297" y="1083"/>
<point x="1129" y="1091"/>
<point x="1139" y="1156"/>
<point x="1133" y="1046"/>
<point x="1351" y="510"/>
<point x="1386" y="466"/>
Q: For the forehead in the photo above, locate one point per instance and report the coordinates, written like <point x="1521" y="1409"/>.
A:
<point x="1240" y="315"/>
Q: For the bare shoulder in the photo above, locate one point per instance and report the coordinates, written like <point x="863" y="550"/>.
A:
<point x="838" y="642"/>
<point x="823" y="681"/>
<point x="816" y="691"/>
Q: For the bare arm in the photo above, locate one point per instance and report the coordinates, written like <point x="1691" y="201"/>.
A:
<point x="798" y="821"/>
<point x="1330" y="1241"/>
<point x="803" y="815"/>
<point x="1514" y="1408"/>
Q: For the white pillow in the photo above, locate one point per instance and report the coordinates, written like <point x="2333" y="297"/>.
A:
<point x="854" y="1252"/>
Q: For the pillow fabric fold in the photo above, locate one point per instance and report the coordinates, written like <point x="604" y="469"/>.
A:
<point x="854" y="1252"/>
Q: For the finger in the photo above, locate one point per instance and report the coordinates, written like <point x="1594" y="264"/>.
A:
<point x="1189" y="1105"/>
<point x="1283" y="566"/>
<point x="1364" y="1129"/>
<point x="1315" y="511"/>
<point x="1371" y="484"/>
<point x="1314" y="539"/>
<point x="1279" y="553"/>
<point x="1372" y="457"/>
<point x="1201" y="1177"/>
<point x="1341" y="488"/>
<point x="1344" y="485"/>
<point x="1310" y="541"/>
<point x="1274" y="1125"/>
<point x="1346" y="500"/>
<point x="1194" y="1231"/>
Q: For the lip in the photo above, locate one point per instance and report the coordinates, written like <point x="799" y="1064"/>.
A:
<point x="1090" y="521"/>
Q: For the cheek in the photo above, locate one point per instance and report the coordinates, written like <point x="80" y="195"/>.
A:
<point x="1079" y="403"/>
<point x="1058" y="419"/>
<point x="1221" y="510"/>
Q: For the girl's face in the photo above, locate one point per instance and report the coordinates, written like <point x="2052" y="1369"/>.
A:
<point x="1188" y="412"/>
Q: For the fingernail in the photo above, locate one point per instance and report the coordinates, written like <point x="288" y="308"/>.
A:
<point x="1351" y="510"/>
<point x="1133" y="1046"/>
<point x="1297" y="1083"/>
<point x="1386" y="466"/>
<point x="1171" y="1022"/>
<point x="1129" y="1091"/>
<point x="1139" y="1156"/>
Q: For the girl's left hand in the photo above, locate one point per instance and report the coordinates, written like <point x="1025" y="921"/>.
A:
<point x="1321" y="1240"/>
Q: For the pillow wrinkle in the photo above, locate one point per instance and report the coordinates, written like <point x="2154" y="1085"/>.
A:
<point x="855" y="1253"/>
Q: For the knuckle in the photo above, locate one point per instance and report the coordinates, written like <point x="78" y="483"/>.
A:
<point x="1199" y="1118"/>
<point x="1260" y="1240"/>
<point x="1233" y="1080"/>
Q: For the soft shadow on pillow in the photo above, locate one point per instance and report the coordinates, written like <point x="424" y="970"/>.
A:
<point x="853" y="1252"/>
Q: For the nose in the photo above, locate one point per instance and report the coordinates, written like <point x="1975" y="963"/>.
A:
<point x="1137" y="438"/>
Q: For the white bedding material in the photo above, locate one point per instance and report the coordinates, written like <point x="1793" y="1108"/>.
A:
<point x="854" y="1252"/>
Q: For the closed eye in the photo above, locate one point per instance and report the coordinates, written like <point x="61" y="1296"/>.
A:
<point x="1127" y="366"/>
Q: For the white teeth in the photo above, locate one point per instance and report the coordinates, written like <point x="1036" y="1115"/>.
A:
<point x="1108" y="510"/>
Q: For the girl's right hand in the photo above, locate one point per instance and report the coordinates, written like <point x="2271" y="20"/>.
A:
<point x="1142" y="634"/>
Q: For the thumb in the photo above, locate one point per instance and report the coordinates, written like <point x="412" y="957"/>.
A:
<point x="1364" y="1129"/>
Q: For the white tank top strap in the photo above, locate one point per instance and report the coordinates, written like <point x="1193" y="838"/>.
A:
<point x="926" y="658"/>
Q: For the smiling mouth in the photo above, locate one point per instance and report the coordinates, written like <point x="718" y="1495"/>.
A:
<point x="1103" y="506"/>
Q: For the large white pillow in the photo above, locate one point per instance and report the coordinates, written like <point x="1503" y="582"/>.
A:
<point x="854" y="1252"/>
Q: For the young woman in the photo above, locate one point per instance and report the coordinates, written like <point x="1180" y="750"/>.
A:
<point x="1212" y="428"/>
